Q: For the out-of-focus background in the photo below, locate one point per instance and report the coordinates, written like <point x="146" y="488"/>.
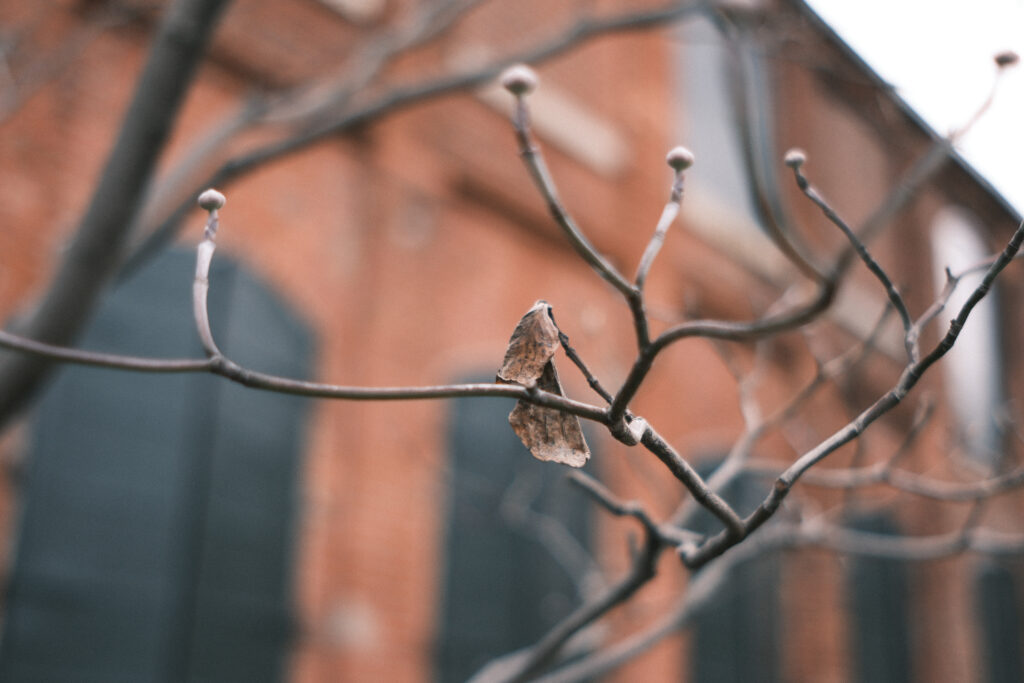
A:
<point x="178" y="527"/>
<point x="936" y="54"/>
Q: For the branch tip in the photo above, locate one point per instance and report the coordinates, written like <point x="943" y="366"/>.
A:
<point x="1006" y="59"/>
<point x="211" y="200"/>
<point x="680" y="158"/>
<point x="520" y="80"/>
<point x="795" y="158"/>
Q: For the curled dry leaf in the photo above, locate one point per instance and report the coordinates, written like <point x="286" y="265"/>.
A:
<point x="548" y="433"/>
<point x="532" y="346"/>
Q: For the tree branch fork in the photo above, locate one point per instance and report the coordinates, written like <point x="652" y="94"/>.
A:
<point x="694" y="550"/>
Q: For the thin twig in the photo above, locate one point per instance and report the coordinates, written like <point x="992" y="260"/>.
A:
<point x="735" y="462"/>
<point x="230" y="370"/>
<point x="668" y="217"/>
<point x="696" y="485"/>
<point x="111" y="361"/>
<point x="751" y="113"/>
<point x="403" y="96"/>
<point x="571" y="353"/>
<point x="908" y="186"/>
<point x="201" y="286"/>
<point x="550" y="532"/>
<point x="94" y="252"/>
<point x="669" y="535"/>
<point x="890" y="289"/>
<point x="304" y="107"/>
<point x="718" y="329"/>
<point x="702" y="590"/>
<point x="924" y="169"/>
<point x="908" y="379"/>
<point x="545" y="184"/>
<point x="704" y="586"/>
<point x="522" y="665"/>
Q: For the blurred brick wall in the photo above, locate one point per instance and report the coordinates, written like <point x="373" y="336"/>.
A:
<point x="412" y="248"/>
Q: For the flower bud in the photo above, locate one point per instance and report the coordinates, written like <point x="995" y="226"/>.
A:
<point x="680" y="159"/>
<point x="519" y="80"/>
<point x="1007" y="58"/>
<point x="211" y="200"/>
<point x="795" y="158"/>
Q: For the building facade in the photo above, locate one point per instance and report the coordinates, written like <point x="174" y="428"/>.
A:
<point x="183" y="528"/>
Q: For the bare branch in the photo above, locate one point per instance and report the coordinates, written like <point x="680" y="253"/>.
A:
<point x="669" y="535"/>
<point x="211" y="201"/>
<point x="220" y="365"/>
<point x="750" y="112"/>
<point x="17" y="88"/>
<point x="361" y="96"/>
<point x="679" y="159"/>
<point x="718" y="544"/>
<point x="736" y="462"/>
<point x="403" y="96"/>
<point x="301" y="108"/>
<point x="571" y="353"/>
<point x="704" y="586"/>
<point x="522" y="665"/>
<point x="719" y="329"/>
<point x="909" y="548"/>
<point x="697" y="487"/>
<point x="550" y="532"/>
<point x="95" y="251"/>
<point x="890" y="289"/>
<point x="542" y="180"/>
<point x="895" y="201"/>
<point x="102" y="360"/>
<point x="702" y="589"/>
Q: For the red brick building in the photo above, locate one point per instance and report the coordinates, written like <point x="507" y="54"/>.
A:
<point x="195" y="530"/>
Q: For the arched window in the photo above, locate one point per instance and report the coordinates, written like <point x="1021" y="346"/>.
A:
<point x="516" y="552"/>
<point x="156" y="525"/>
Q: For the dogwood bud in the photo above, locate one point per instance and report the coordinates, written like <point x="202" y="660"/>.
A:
<point x="680" y="159"/>
<point x="795" y="158"/>
<point x="211" y="200"/>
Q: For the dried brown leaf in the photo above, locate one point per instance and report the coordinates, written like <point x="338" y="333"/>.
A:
<point x="533" y="344"/>
<point x="549" y="434"/>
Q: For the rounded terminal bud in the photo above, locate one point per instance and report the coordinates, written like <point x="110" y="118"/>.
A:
<point x="795" y="158"/>
<point x="211" y="200"/>
<point x="679" y="158"/>
<point x="519" y="80"/>
<point x="1007" y="58"/>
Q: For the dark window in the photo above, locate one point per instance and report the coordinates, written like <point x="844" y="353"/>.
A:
<point x="157" y="516"/>
<point x="517" y="542"/>
<point x="997" y="601"/>
<point x="736" y="638"/>
<point x="878" y="603"/>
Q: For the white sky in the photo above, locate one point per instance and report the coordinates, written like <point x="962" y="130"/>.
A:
<point x="938" y="54"/>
